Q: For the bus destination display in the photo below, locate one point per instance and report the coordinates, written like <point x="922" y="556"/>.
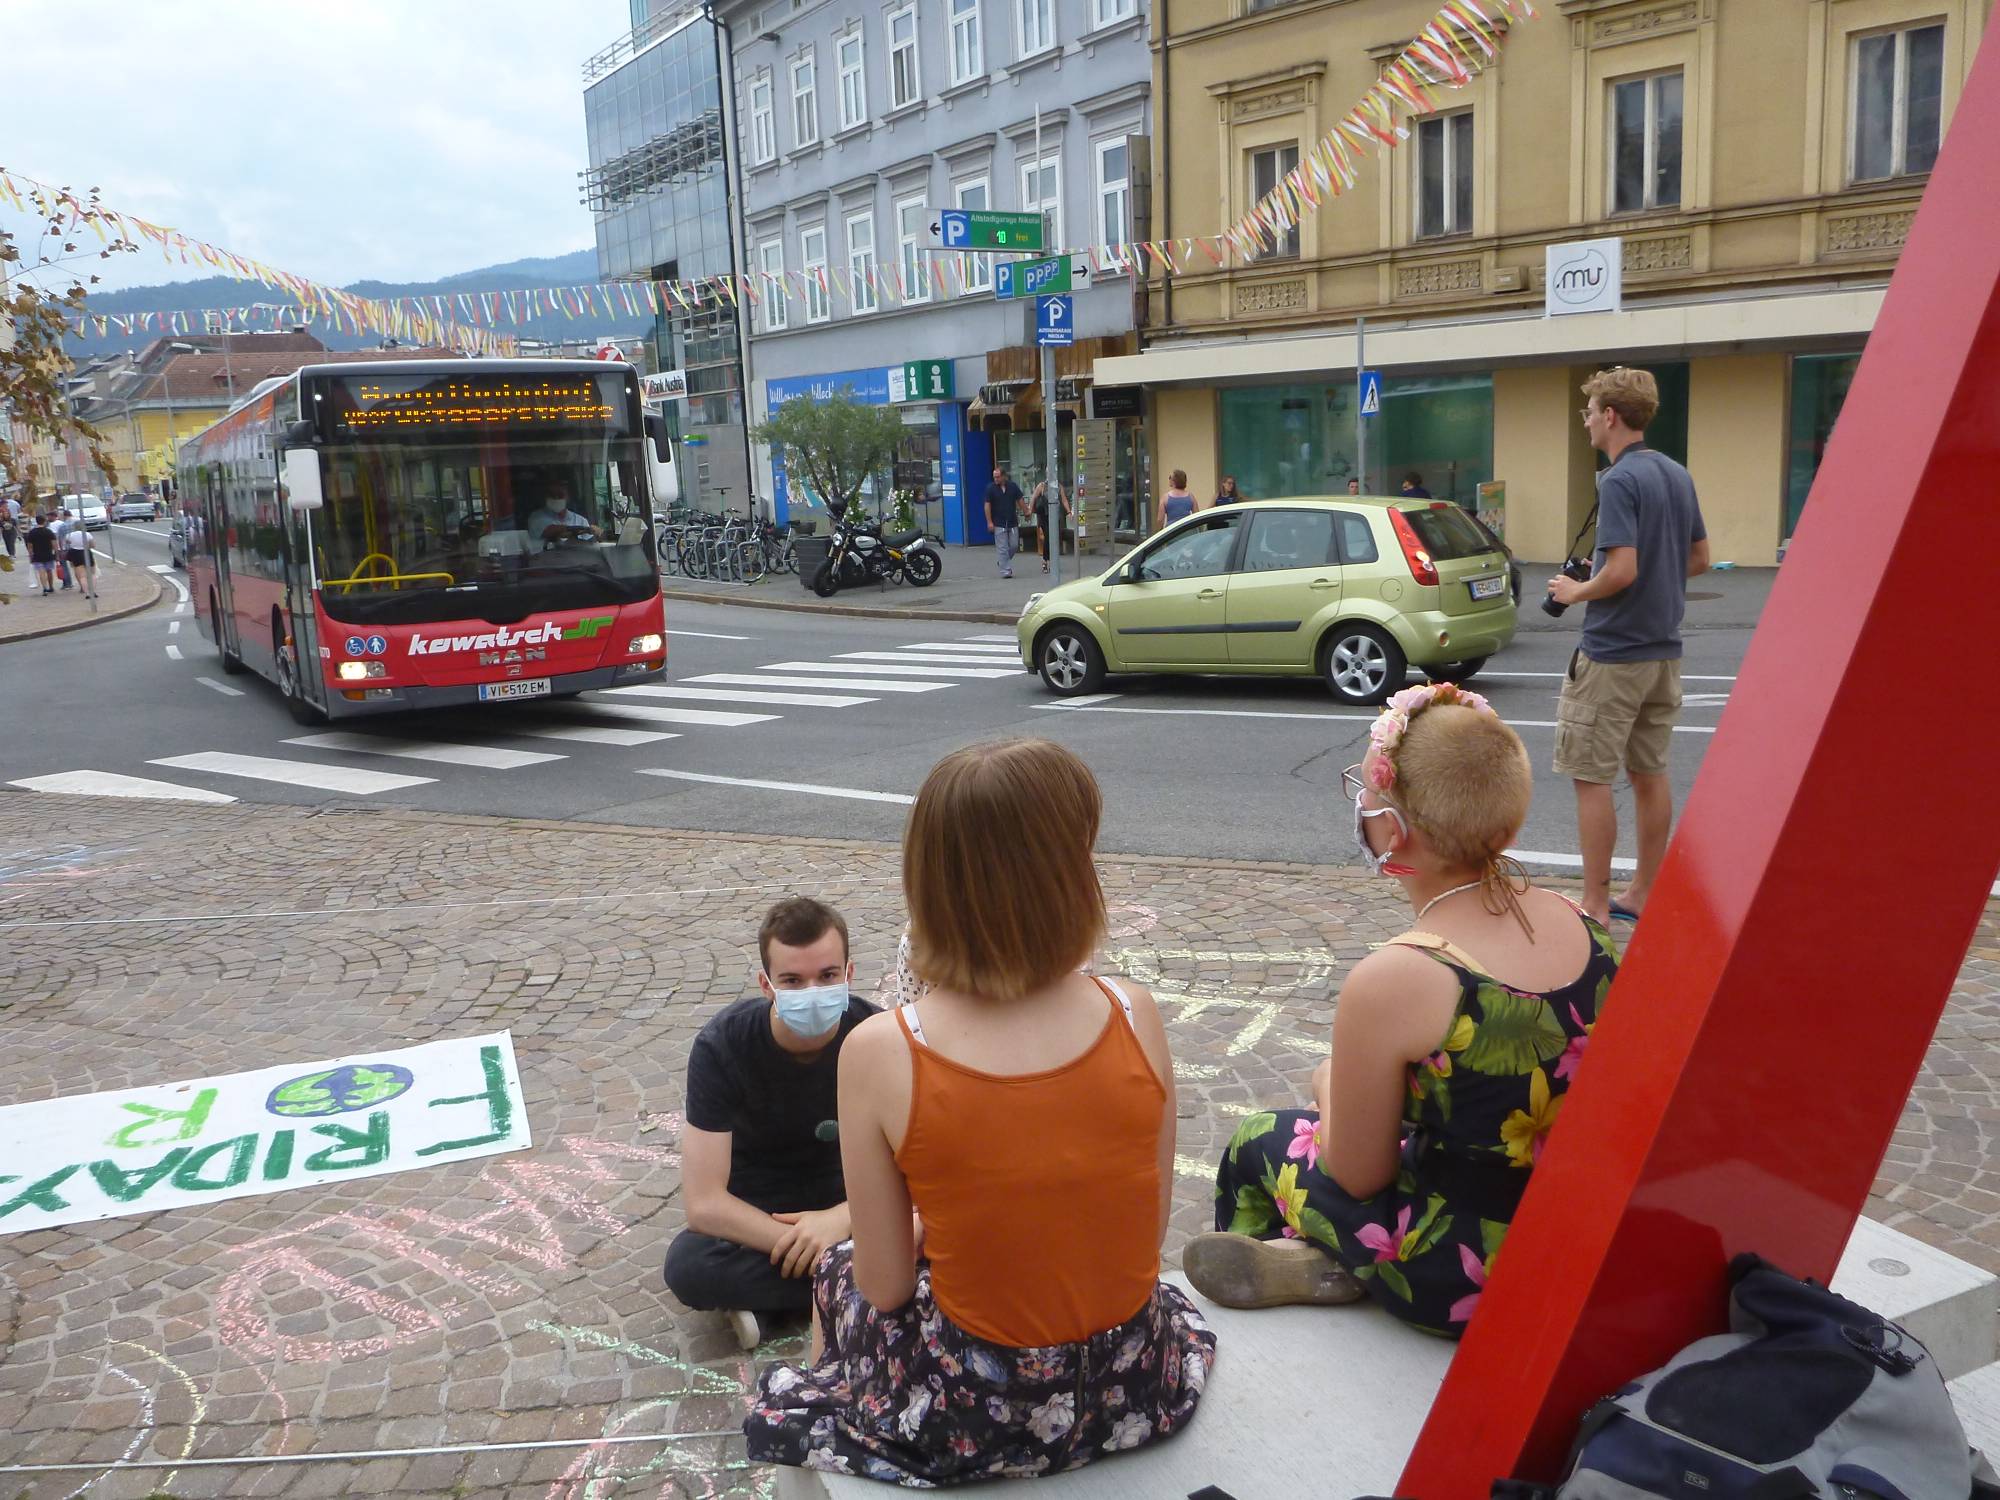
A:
<point x="385" y="404"/>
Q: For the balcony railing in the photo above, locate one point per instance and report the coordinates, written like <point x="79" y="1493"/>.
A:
<point x="667" y="18"/>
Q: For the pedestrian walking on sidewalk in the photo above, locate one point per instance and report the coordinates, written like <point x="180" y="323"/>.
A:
<point x="1003" y="515"/>
<point x="80" y="552"/>
<point x="10" y="524"/>
<point x="41" y="540"/>
<point x="61" y="526"/>
<point x="1623" y="689"/>
<point x="1044" y="522"/>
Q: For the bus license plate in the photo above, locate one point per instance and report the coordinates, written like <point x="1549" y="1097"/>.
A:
<point x="496" y="692"/>
<point x="1488" y="588"/>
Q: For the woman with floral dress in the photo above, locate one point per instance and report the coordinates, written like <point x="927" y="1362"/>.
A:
<point x="1453" y="1046"/>
<point x="1015" y="1323"/>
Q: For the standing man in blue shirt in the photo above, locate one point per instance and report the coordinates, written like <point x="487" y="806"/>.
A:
<point x="1623" y="689"/>
<point x="1003" y="515"/>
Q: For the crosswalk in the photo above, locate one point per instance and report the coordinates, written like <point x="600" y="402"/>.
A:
<point x="628" y="718"/>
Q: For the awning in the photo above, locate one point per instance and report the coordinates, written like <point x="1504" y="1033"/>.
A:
<point x="1023" y="410"/>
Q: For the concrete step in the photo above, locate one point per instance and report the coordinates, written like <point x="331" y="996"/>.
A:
<point x="1362" y="1383"/>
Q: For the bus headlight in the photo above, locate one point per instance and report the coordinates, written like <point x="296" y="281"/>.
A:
<point x="357" y="671"/>
<point x="646" y="645"/>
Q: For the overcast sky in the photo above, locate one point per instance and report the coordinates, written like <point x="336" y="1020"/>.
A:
<point x="399" y="139"/>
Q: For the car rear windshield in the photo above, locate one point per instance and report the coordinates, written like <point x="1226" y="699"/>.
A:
<point x="1447" y="532"/>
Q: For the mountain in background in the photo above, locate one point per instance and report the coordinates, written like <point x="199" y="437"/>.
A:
<point x="210" y="292"/>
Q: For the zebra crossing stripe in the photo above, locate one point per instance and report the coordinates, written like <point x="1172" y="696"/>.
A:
<point x="599" y="734"/>
<point x="293" y="772"/>
<point x="645" y="711"/>
<point x="488" y="757"/>
<point x="948" y="658"/>
<point x="111" y="784"/>
<point x="852" y="684"/>
<point x="892" y="669"/>
<point x="737" y="695"/>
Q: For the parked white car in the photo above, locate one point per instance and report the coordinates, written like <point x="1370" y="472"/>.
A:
<point x="88" y="509"/>
<point x="134" y="508"/>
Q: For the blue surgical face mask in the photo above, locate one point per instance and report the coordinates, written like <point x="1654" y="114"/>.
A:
<point x="814" y="1011"/>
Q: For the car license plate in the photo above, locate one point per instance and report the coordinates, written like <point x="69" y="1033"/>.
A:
<point x="531" y="687"/>
<point x="1489" y="588"/>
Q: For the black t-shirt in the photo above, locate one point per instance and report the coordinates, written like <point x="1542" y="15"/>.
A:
<point x="1006" y="502"/>
<point x="779" y="1110"/>
<point x="41" y="544"/>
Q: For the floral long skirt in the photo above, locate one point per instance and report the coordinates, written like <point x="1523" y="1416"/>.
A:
<point x="910" y="1397"/>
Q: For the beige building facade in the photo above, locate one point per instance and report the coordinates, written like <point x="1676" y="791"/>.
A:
<point x="1757" y="161"/>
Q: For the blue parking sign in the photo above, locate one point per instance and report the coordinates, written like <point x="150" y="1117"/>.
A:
<point x="1055" y="324"/>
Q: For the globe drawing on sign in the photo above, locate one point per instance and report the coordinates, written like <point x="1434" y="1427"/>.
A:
<point x="336" y="1091"/>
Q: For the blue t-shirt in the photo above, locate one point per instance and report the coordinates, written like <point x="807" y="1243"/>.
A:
<point x="1645" y="501"/>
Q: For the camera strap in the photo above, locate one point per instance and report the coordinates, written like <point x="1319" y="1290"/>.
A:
<point x="1589" y="520"/>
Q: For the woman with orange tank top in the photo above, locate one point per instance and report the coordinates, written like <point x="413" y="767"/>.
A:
<point x="1008" y="1145"/>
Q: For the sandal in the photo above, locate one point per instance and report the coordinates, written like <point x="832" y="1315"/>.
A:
<point x="1238" y="1271"/>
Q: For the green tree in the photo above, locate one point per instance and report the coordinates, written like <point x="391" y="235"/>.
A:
<point x="833" y="445"/>
<point x="40" y="296"/>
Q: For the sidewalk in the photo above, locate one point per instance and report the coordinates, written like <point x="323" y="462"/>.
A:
<point x="971" y="588"/>
<point x="520" y="1300"/>
<point x="123" y="589"/>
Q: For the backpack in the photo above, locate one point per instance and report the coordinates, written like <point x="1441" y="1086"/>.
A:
<point x="1808" y="1395"/>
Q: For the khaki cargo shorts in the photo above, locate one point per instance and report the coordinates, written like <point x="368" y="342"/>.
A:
<point x="1616" y="715"/>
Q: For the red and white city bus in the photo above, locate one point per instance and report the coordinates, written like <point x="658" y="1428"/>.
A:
<point x="391" y="535"/>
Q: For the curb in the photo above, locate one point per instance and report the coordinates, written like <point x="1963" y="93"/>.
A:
<point x="861" y="611"/>
<point x="159" y="589"/>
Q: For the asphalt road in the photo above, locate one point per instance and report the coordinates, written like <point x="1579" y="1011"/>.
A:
<point x="771" y="723"/>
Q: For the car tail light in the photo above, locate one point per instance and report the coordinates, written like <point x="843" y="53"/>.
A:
<point x="1421" y="567"/>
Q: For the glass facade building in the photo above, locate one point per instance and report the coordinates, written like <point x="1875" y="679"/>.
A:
<point x="658" y="189"/>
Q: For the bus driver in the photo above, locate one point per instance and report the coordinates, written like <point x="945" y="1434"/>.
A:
<point x="553" y="521"/>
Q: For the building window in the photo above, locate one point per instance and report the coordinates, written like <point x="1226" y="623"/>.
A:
<point x="1109" y="11"/>
<point x="1041" y="192"/>
<point x="978" y="268"/>
<point x="1267" y="169"/>
<point x="905" y="81"/>
<point x="1898" y="103"/>
<point x="1034" y="26"/>
<point x="812" y="262"/>
<point x="1646" y="143"/>
<point x="968" y="58"/>
<point x="771" y="261"/>
<point x="853" y="81"/>
<point x="910" y="216"/>
<point x="763" y="123"/>
<point x="861" y="262"/>
<point x="1114" y="191"/>
<point x="1444" y="175"/>
<point x="805" y="103"/>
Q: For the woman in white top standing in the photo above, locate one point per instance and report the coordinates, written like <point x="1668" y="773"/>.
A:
<point x="80" y="551"/>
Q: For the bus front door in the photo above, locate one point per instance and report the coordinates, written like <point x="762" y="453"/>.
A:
<point x="301" y="591"/>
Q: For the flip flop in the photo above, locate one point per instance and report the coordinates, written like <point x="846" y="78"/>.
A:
<point x="1620" y="909"/>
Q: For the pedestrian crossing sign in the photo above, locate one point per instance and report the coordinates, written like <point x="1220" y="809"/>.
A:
<point x="1371" y="393"/>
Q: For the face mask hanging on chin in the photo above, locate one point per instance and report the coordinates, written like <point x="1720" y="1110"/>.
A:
<point x="1378" y="864"/>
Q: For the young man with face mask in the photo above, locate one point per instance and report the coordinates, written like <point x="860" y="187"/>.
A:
<point x="760" y="1152"/>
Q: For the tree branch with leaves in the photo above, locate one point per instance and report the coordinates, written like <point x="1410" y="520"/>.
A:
<point x="834" y="445"/>
<point x="41" y="295"/>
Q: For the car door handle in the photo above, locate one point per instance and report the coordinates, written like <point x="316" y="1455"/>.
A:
<point x="1209" y="594"/>
<point x="1325" y="583"/>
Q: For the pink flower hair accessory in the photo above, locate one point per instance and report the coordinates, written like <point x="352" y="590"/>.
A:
<point x="1387" y="732"/>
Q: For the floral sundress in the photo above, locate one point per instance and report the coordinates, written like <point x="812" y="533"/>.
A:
<point x="1476" y="1116"/>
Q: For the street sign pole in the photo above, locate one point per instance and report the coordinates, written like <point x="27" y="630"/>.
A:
<point x="1360" y="422"/>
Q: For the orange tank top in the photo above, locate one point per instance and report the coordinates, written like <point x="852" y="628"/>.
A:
<point x="1040" y="1192"/>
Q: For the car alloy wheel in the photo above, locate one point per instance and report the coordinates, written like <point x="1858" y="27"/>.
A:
<point x="1362" y="665"/>
<point x="1070" y="661"/>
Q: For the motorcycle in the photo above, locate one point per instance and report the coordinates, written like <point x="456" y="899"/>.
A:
<point x="860" y="554"/>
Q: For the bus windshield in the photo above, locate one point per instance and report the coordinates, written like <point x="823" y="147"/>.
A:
<point x="428" y="517"/>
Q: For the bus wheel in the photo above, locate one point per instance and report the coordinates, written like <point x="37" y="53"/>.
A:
<point x="296" y="705"/>
<point x="231" y="662"/>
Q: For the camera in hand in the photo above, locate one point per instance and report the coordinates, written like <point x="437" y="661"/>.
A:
<point x="1577" y="568"/>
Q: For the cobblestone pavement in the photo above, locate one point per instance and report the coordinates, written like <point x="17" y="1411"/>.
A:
<point x="517" y="1300"/>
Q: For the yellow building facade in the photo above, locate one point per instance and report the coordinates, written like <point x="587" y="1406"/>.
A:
<point x="1758" y="163"/>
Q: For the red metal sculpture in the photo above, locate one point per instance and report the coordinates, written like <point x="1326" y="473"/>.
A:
<point x="1817" y="901"/>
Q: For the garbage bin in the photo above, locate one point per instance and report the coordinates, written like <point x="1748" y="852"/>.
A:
<point x="812" y="551"/>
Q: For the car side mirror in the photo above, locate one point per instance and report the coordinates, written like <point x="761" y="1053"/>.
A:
<point x="302" y="486"/>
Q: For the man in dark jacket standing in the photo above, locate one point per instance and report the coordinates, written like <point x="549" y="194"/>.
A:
<point x="1003" y="515"/>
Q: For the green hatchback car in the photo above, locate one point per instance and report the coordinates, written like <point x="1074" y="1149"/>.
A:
<point x="1355" y="588"/>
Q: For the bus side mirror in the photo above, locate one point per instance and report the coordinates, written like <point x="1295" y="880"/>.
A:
<point x="302" y="488"/>
<point x="299" y="434"/>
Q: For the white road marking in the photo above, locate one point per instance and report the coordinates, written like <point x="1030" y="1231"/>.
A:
<point x="710" y="635"/>
<point x="1703" y="700"/>
<point x="160" y="567"/>
<point x="182" y="588"/>
<point x="181" y="608"/>
<point x="855" y="794"/>
<point x="111" y="784"/>
<point x="487" y="757"/>
<point x="173" y="651"/>
<point x="293" y="772"/>
<point x="1685" y="677"/>
<point x="964" y="648"/>
<point x="653" y="715"/>
<point x="852" y="684"/>
<point x="1090" y="698"/>
<point x="221" y="687"/>
<point x="1573" y="861"/>
<point x="947" y="658"/>
<point x="975" y="639"/>
<point x="880" y="668"/>
<point x="1246" y="713"/>
<point x="733" y="695"/>
<point x="598" y="734"/>
<point x="173" y="627"/>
